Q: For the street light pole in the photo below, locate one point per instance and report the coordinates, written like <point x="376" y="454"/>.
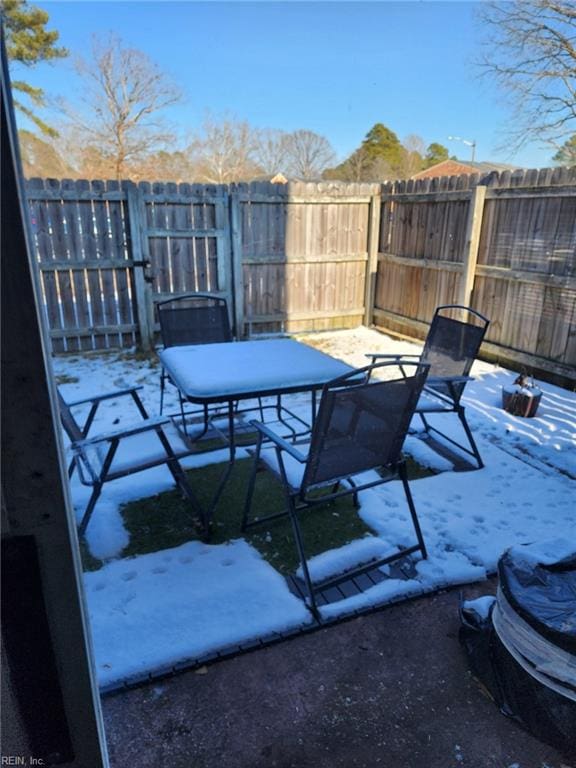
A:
<point x="468" y="142"/>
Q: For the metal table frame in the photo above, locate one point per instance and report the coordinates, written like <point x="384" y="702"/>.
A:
<point x="231" y="402"/>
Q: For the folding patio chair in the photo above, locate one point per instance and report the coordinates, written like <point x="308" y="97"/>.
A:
<point x="450" y="348"/>
<point x="361" y="425"/>
<point x="109" y="456"/>
<point x="196" y="318"/>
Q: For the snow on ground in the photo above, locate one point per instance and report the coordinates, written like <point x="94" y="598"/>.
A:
<point x="159" y="609"/>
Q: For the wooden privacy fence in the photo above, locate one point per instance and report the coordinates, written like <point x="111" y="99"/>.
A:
<point x="504" y="244"/>
<point x="302" y="252"/>
<point x="301" y="257"/>
<point x="287" y="258"/>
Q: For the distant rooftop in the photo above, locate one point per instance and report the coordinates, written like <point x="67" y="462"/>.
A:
<point x="459" y="167"/>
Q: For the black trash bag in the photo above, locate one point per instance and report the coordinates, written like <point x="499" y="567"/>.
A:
<point x="543" y="596"/>
<point x="476" y="636"/>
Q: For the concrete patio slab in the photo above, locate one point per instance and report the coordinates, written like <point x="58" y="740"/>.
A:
<point x="388" y="689"/>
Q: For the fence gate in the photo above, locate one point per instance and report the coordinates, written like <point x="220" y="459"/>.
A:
<point x="184" y="239"/>
<point x="86" y="269"/>
<point x="108" y="251"/>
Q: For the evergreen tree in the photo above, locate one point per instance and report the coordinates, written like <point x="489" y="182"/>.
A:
<point x="380" y="156"/>
<point x="435" y="153"/>
<point x="566" y="155"/>
<point x="27" y="43"/>
<point x="382" y="144"/>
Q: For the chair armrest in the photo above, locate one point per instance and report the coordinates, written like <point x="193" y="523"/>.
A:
<point x="97" y="399"/>
<point x="431" y="380"/>
<point x="451" y="396"/>
<point x="284" y="445"/>
<point x="145" y="426"/>
<point x="382" y="356"/>
<point x="105" y="396"/>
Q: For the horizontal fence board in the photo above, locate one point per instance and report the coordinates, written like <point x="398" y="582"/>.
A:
<point x="297" y="200"/>
<point x="75" y="195"/>
<point x="560" y="190"/>
<point x="85" y="264"/>
<point x="409" y="261"/>
<point x="183" y="232"/>
<point x="427" y="197"/>
<point x="179" y="199"/>
<point x="94" y="330"/>
<point x="523" y="276"/>
<point x="491" y="194"/>
<point x="295" y="258"/>
<point x="357" y="312"/>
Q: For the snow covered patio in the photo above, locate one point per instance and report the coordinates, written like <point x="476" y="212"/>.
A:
<point x="178" y="607"/>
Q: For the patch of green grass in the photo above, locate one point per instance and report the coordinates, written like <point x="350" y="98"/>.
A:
<point x="417" y="471"/>
<point x="166" y="520"/>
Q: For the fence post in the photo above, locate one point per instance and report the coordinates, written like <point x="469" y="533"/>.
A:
<point x="472" y="243"/>
<point x="372" y="263"/>
<point x="236" y="258"/>
<point x="140" y="261"/>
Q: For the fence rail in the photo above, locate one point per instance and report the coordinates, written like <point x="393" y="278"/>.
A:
<point x="300" y="257"/>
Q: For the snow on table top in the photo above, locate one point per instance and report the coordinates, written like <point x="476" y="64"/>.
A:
<point x="234" y="368"/>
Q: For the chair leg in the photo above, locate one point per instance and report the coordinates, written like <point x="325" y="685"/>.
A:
<point x="355" y="499"/>
<point x="471" y="440"/>
<point x="162" y="387"/>
<point x="251" y="484"/>
<point x="301" y="553"/>
<point x="404" y="477"/>
<point x="186" y="489"/>
<point x="425" y="422"/>
<point x="293" y="514"/>
<point x="96" y="490"/>
<point x="184" y="427"/>
<point x="474" y="448"/>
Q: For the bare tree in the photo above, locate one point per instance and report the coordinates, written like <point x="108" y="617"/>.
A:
<point x="164" y="166"/>
<point x="124" y="94"/>
<point x="308" y="154"/>
<point x="413" y="156"/>
<point x="271" y="151"/>
<point x="530" y="50"/>
<point x="353" y="169"/>
<point x="224" y="151"/>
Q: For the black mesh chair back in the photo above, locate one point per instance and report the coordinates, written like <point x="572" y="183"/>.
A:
<point x="361" y="426"/>
<point x="452" y="345"/>
<point x="194" y="319"/>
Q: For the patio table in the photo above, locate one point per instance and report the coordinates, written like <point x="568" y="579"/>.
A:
<point x="229" y="372"/>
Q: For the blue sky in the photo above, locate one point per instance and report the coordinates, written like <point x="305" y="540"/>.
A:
<point x="335" y="68"/>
